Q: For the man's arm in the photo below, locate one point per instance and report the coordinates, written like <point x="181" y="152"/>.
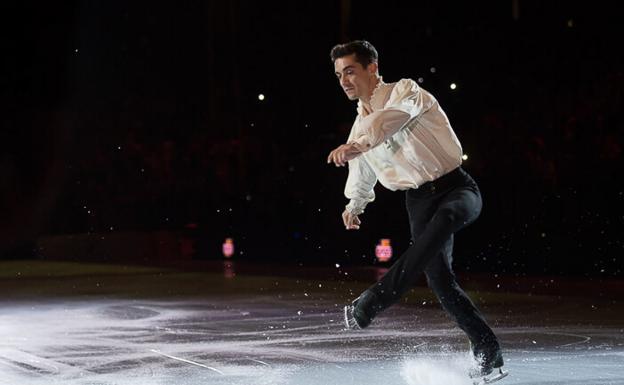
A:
<point x="359" y="189"/>
<point x="360" y="184"/>
<point x="407" y="101"/>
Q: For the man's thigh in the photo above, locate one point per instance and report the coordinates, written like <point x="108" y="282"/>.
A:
<point x="460" y="207"/>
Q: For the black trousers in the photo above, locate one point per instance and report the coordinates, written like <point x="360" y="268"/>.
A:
<point x="436" y="211"/>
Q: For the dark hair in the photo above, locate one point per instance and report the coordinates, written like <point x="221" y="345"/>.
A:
<point x="364" y="52"/>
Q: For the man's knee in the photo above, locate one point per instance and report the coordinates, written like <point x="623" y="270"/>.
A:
<point x="455" y="217"/>
<point x="447" y="215"/>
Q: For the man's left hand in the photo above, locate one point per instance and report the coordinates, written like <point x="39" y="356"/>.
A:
<point x="342" y="154"/>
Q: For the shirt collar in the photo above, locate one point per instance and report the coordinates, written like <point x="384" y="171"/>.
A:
<point x="378" y="97"/>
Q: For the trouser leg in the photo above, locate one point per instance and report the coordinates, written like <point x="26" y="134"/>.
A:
<point x="454" y="300"/>
<point x="451" y="212"/>
<point x="434" y="218"/>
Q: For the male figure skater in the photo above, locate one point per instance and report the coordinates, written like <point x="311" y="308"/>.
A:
<point x="402" y="137"/>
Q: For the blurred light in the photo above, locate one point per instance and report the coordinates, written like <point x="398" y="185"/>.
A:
<point x="571" y="23"/>
<point x="433" y="70"/>
<point x="453" y="86"/>
<point x="261" y="97"/>
<point x="383" y="251"/>
<point x="420" y="80"/>
<point x="229" y="270"/>
<point x="465" y="157"/>
<point x="380" y="272"/>
<point x="228" y="247"/>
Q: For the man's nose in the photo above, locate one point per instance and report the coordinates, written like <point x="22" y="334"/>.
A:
<point x="344" y="82"/>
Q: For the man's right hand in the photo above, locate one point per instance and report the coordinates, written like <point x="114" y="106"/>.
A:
<point x="351" y="221"/>
<point x="342" y="154"/>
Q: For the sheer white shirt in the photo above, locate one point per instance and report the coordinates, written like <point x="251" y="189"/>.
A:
<point x="406" y="141"/>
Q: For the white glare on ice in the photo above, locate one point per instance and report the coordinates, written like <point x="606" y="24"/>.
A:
<point x="445" y="369"/>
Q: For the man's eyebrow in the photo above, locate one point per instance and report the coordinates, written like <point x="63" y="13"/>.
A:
<point x="346" y="68"/>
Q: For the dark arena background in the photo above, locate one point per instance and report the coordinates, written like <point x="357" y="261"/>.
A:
<point x="168" y="215"/>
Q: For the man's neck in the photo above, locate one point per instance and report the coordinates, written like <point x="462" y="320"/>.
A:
<point x="367" y="99"/>
<point x="373" y="85"/>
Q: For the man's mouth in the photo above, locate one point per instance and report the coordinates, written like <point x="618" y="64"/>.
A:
<point x="348" y="89"/>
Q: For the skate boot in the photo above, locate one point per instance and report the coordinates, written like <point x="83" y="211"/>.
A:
<point x="489" y="363"/>
<point x="362" y="310"/>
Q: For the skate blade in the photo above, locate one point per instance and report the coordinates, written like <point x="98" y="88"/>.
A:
<point x="350" y="322"/>
<point x="492" y="377"/>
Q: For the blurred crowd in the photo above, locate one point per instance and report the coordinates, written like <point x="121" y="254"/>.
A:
<point x="549" y="174"/>
<point x="121" y="117"/>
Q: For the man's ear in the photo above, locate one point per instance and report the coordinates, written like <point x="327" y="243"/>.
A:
<point x="372" y="68"/>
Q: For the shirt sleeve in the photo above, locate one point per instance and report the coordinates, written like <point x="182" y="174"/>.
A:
<point x="407" y="101"/>
<point x="360" y="185"/>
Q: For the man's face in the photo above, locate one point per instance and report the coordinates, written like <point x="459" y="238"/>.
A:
<point x="355" y="80"/>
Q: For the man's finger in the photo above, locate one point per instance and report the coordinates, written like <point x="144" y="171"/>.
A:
<point x="347" y="219"/>
<point x="341" y="157"/>
<point x="330" y="158"/>
<point x="337" y="158"/>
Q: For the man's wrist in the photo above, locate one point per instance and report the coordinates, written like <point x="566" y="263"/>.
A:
<point x="361" y="144"/>
<point x="353" y="208"/>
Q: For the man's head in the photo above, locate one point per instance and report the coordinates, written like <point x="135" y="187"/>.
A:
<point x="355" y="65"/>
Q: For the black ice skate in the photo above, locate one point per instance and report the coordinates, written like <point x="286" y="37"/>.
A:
<point x="489" y="363"/>
<point x="362" y="310"/>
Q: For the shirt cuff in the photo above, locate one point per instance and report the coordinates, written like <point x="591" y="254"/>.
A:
<point x="356" y="207"/>
<point x="362" y="144"/>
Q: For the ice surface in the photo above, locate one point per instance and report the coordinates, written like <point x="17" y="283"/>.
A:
<point x="159" y="327"/>
<point x="263" y="341"/>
